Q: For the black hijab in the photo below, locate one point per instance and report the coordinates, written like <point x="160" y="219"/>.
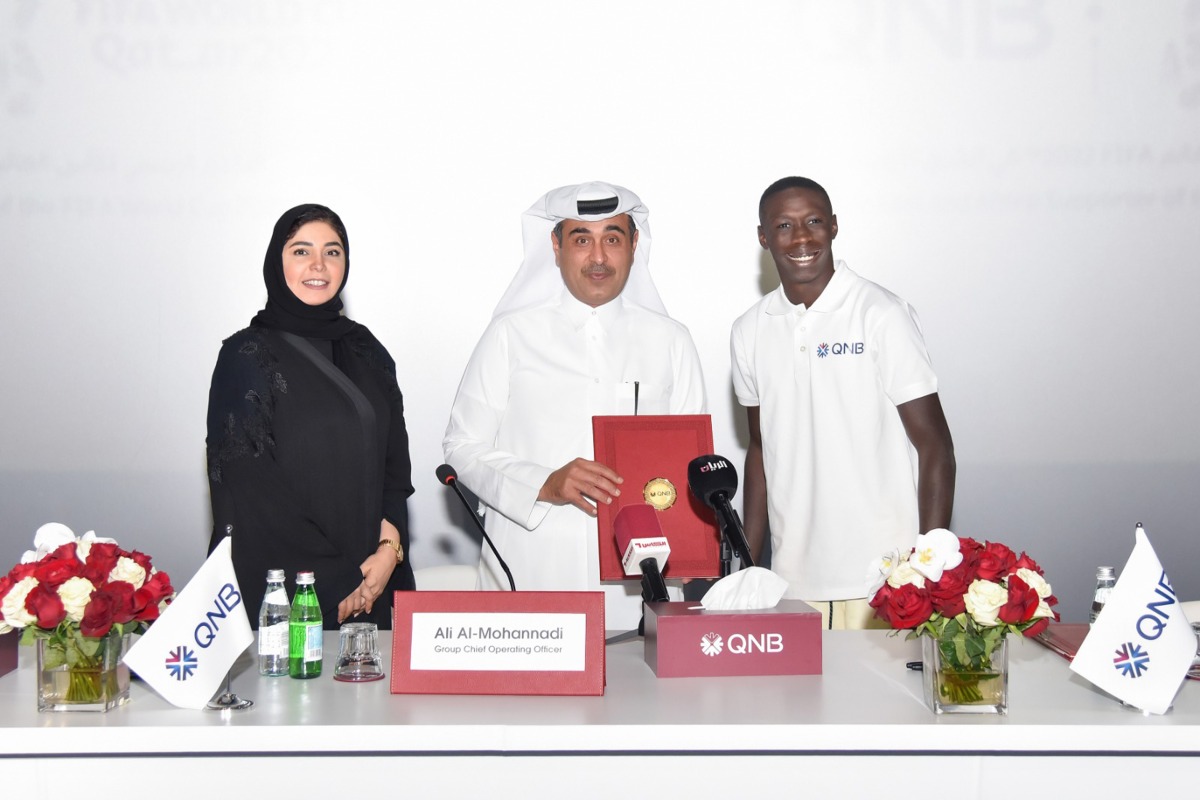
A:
<point x="286" y="312"/>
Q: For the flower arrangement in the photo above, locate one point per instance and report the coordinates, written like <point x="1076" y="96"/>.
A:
<point x="76" y="592"/>
<point x="965" y="595"/>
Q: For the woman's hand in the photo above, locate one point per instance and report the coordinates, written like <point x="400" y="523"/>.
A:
<point x="376" y="571"/>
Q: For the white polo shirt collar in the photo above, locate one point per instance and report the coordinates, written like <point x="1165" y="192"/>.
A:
<point x="831" y="298"/>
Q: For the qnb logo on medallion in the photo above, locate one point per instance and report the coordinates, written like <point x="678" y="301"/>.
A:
<point x="824" y="349"/>
<point x="711" y="644"/>
<point x="181" y="663"/>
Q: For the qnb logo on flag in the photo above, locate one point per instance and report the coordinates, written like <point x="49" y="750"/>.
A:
<point x="1140" y="647"/>
<point x="181" y="663"/>
<point x="1131" y="660"/>
<point x="187" y="651"/>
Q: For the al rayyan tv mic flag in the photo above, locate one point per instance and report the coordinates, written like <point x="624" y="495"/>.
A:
<point x="1140" y="647"/>
<point x="187" y="651"/>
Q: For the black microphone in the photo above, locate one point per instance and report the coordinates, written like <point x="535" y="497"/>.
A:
<point x="713" y="481"/>
<point x="447" y="475"/>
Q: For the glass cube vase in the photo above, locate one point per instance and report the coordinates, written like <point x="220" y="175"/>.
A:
<point x="84" y="675"/>
<point x="950" y="689"/>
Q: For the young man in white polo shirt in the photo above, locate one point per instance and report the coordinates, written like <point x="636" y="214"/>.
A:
<point x="850" y="453"/>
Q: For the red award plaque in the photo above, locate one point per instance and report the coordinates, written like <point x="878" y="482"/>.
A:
<point x="652" y="454"/>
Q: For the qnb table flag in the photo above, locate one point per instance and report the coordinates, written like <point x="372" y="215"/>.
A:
<point x="1140" y="647"/>
<point x="187" y="651"/>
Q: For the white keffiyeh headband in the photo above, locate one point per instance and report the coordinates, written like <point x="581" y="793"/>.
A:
<point x="539" y="279"/>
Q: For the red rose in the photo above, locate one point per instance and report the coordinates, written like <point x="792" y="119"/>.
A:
<point x="154" y="590"/>
<point x="1023" y="601"/>
<point x="141" y="559"/>
<point x="100" y="561"/>
<point x="123" y="604"/>
<point x="906" y="607"/>
<point x="880" y="599"/>
<point x="63" y="551"/>
<point x="1037" y="627"/>
<point x="45" y="604"/>
<point x="22" y="571"/>
<point x="947" y="593"/>
<point x="98" y="615"/>
<point x="995" y="562"/>
<point x="1025" y="562"/>
<point x="969" y="548"/>
<point x="56" y="568"/>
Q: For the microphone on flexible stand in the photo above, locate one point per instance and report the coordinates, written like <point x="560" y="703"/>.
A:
<point x="713" y="480"/>
<point x="447" y="475"/>
<point x="643" y="548"/>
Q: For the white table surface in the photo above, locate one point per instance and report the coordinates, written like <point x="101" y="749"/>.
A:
<point x="865" y="702"/>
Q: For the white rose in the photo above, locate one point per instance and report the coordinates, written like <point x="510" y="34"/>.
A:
<point x="129" y="571"/>
<point x="984" y="600"/>
<point x="1043" y="610"/>
<point x="75" y="594"/>
<point x="1035" y="582"/>
<point x="13" y="605"/>
<point x="905" y="574"/>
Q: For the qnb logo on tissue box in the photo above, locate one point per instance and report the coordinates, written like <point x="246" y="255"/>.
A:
<point x="741" y="644"/>
<point x="683" y="641"/>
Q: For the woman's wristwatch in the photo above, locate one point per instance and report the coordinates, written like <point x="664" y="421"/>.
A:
<point x="395" y="546"/>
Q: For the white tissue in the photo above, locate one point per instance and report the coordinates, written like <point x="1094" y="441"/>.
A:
<point x="750" y="588"/>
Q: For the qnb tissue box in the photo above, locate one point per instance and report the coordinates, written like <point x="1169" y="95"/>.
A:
<point x="8" y="651"/>
<point x="684" y="641"/>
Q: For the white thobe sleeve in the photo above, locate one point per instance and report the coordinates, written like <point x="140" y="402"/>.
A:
<point x="500" y="479"/>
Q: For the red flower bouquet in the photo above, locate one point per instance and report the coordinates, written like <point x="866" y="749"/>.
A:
<point x="965" y="595"/>
<point x="76" y="593"/>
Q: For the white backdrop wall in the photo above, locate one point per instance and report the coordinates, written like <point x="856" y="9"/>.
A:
<point x="1026" y="173"/>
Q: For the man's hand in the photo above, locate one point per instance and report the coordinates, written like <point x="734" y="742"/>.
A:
<point x="582" y="484"/>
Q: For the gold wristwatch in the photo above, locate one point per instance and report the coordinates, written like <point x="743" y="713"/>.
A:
<point x="395" y="546"/>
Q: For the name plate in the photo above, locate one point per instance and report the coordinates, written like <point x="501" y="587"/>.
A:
<point x="498" y="643"/>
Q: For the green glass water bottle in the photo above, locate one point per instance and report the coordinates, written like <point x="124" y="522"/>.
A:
<point x="305" y="634"/>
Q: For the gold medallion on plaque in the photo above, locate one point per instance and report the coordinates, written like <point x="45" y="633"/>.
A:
<point x="660" y="493"/>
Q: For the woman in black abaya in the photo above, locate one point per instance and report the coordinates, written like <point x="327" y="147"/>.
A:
<point x="307" y="451"/>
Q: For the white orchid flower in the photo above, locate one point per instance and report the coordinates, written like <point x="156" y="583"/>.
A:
<point x="934" y="553"/>
<point x="881" y="569"/>
<point x="54" y="535"/>
<point x="48" y="538"/>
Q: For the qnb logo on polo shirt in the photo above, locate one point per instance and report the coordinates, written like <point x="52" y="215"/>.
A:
<point x="824" y="349"/>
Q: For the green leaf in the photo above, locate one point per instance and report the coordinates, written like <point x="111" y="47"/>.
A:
<point x="53" y="655"/>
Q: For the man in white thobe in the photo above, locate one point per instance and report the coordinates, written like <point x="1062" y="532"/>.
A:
<point x="580" y="332"/>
